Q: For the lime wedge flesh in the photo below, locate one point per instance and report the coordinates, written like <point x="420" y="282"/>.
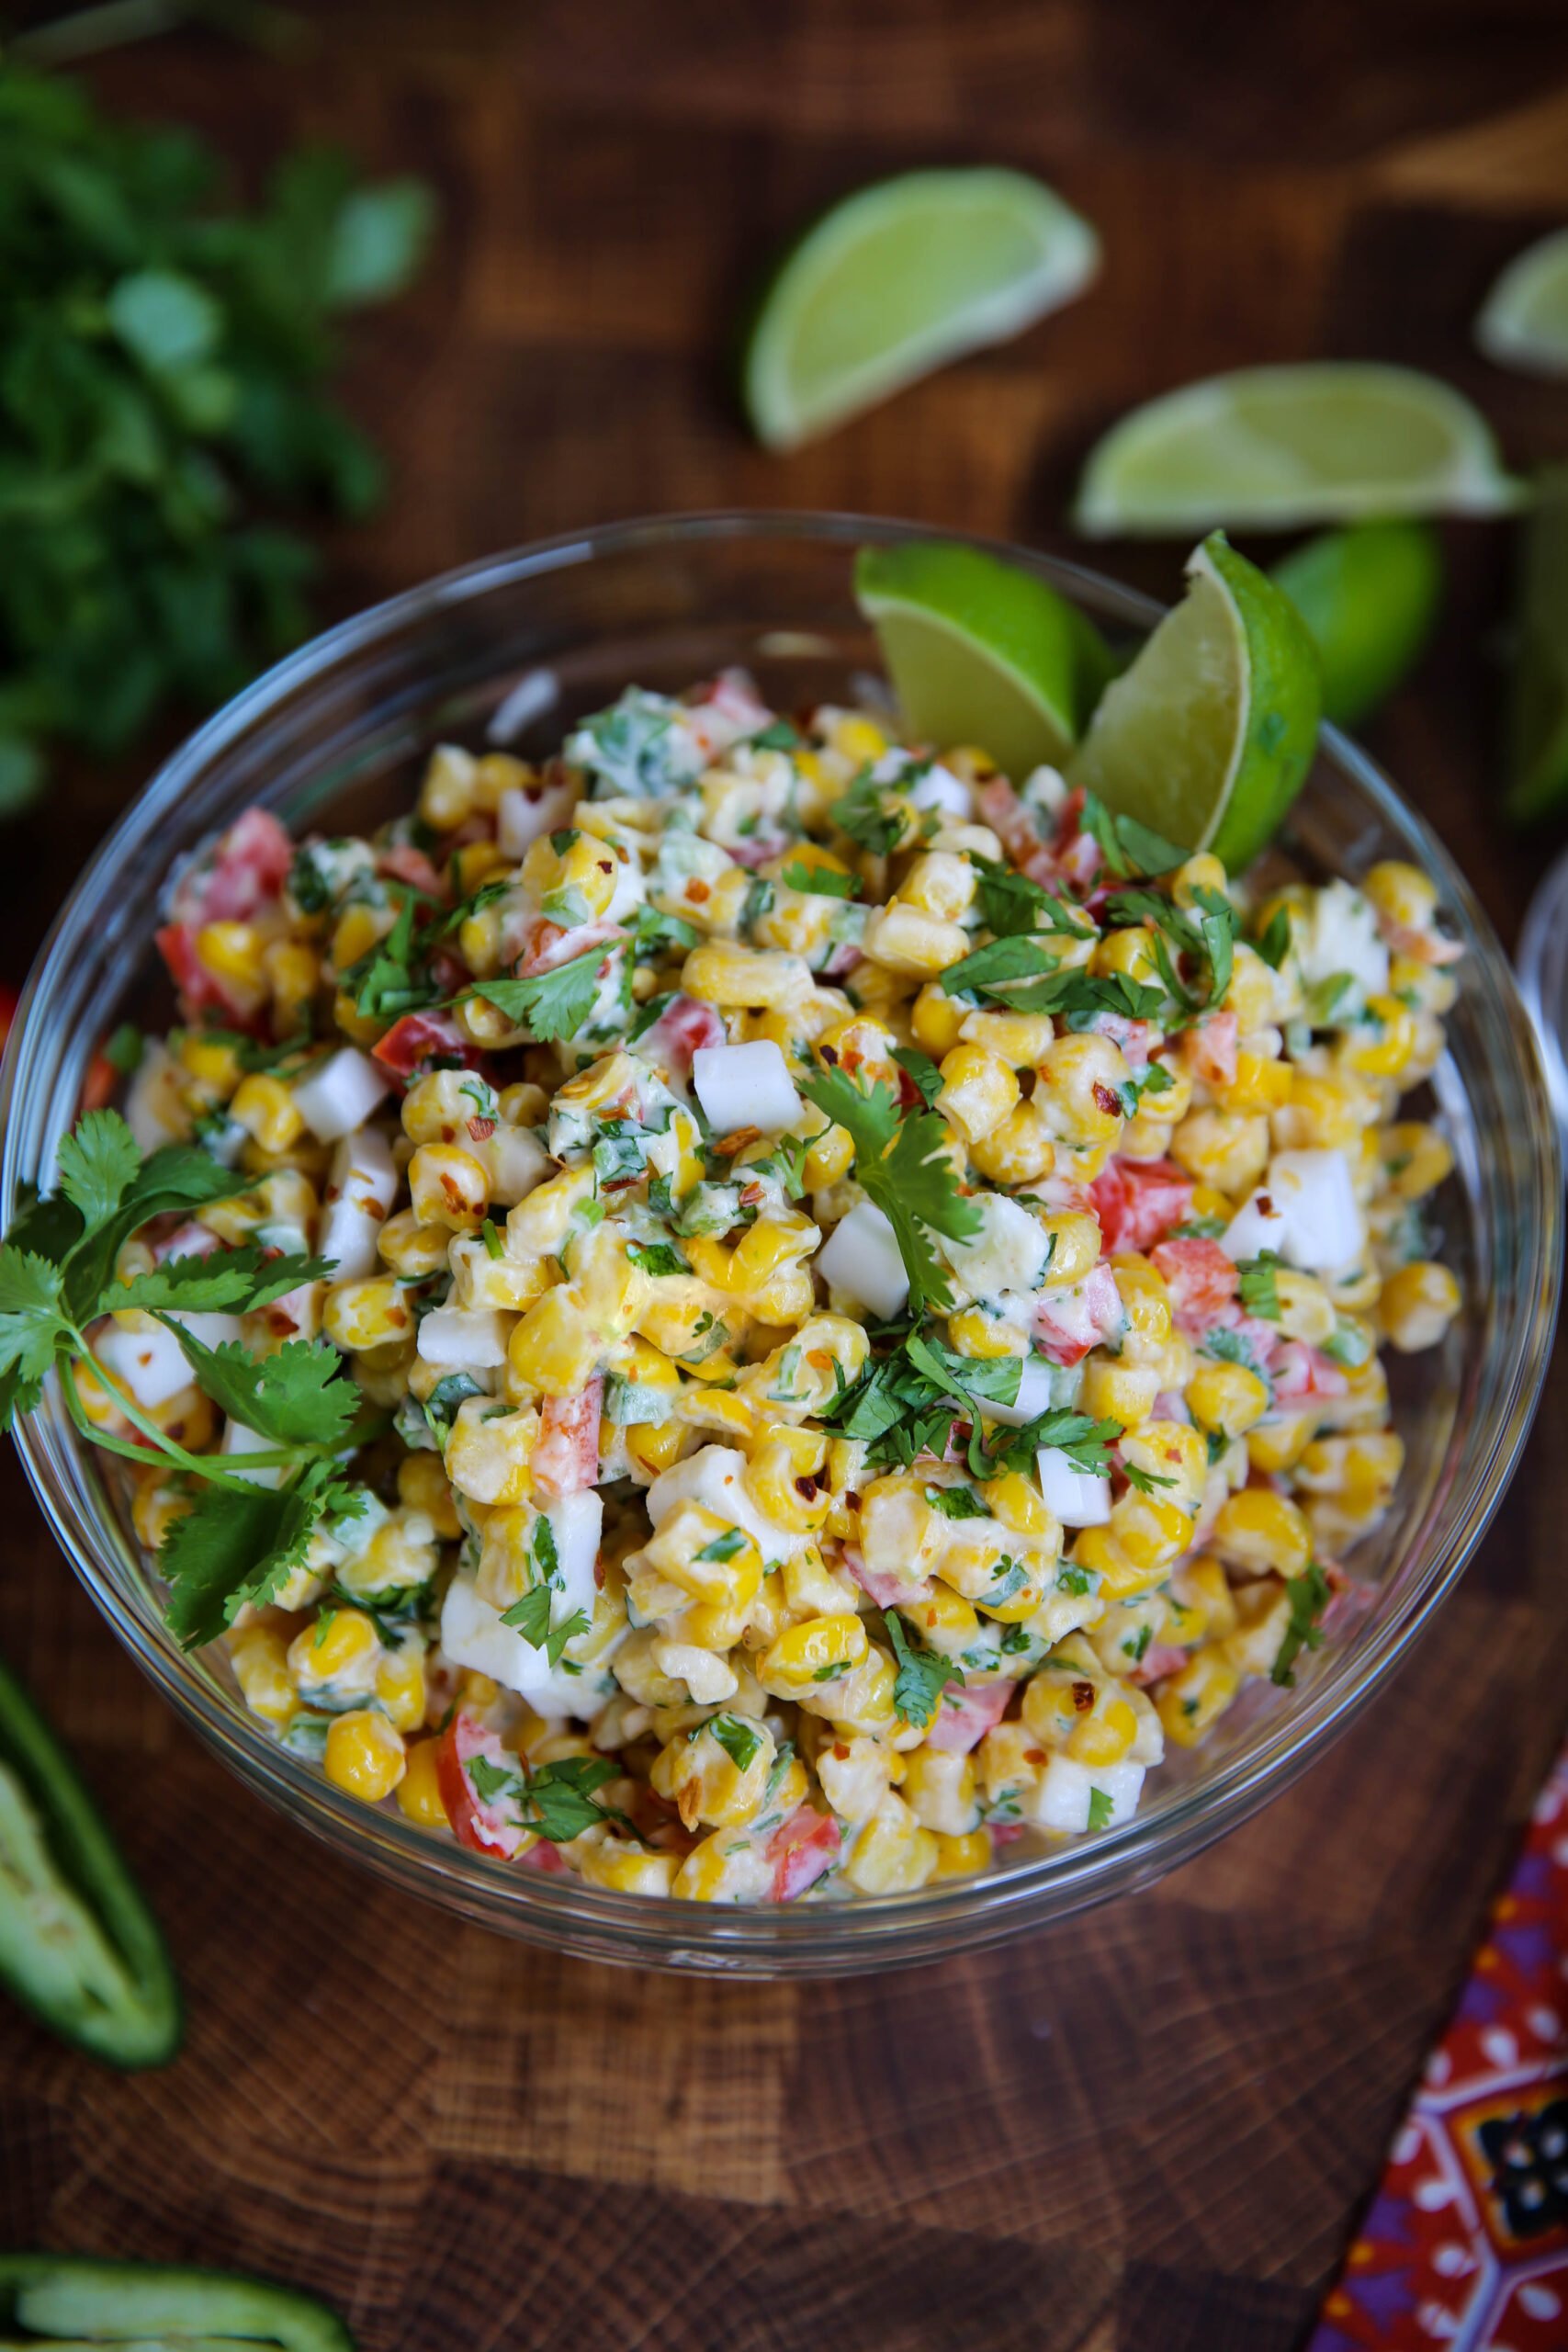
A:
<point x="1368" y="595"/>
<point x="1208" y="736"/>
<point x="1538" y="713"/>
<point x="982" y="652"/>
<point x="899" y="278"/>
<point x="1524" y="320"/>
<point x="1327" y="441"/>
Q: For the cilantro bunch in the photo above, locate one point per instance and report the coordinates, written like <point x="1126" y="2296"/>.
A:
<point x="907" y="1401"/>
<point x="160" y="398"/>
<point x="240" y="1540"/>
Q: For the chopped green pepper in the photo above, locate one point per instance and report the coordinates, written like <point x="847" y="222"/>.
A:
<point x="78" y="1945"/>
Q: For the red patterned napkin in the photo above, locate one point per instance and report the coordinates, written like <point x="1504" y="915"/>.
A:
<point x="1466" y="2243"/>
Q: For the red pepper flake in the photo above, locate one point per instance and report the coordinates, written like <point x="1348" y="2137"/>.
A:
<point x="1108" y="1102"/>
<point x="1083" y="1697"/>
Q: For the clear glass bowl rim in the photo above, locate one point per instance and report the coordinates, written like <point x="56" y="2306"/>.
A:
<point x="561" y="1912"/>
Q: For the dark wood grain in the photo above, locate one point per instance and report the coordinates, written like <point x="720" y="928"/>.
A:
<point x="1150" y="2130"/>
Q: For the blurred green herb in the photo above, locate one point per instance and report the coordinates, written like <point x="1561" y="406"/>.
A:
<point x="163" y="364"/>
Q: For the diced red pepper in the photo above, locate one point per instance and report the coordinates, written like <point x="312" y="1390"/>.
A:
<point x="1201" y="1279"/>
<point x="965" y="1715"/>
<point x="1138" y="1201"/>
<point x="483" y="1827"/>
<point x="566" y="1455"/>
<point x="800" y="1849"/>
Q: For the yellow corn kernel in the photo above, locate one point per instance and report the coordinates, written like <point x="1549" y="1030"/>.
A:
<point x="904" y="939"/>
<point x="939" y="1789"/>
<point x="356" y="931"/>
<point x="978" y="1091"/>
<point x="1323" y="1114"/>
<point x="293" y="974"/>
<point x="1306" y="1311"/>
<point x="1276" y="1442"/>
<point x="938" y="883"/>
<point x="1075" y="1247"/>
<point x="1198" y="1692"/>
<point x="1226" y="1148"/>
<point x="371" y="1313"/>
<point x="1429" y="988"/>
<point x="422" y="1484"/>
<point x="812" y="1654"/>
<point x="1099" y="1550"/>
<point x="1130" y="951"/>
<point x="410" y="1248"/>
<point x="829" y="1158"/>
<point x="947" y="1621"/>
<point x="154" y="1508"/>
<point x="1418" y="1302"/>
<point x="1415" y="1159"/>
<point x="399" y="1687"/>
<point x="1200" y="1589"/>
<point x="615" y="1862"/>
<point x="936" y="1019"/>
<point x="1020" y="1151"/>
<point x="1402" y="894"/>
<point x="266" y="1110"/>
<point x="962" y="1857"/>
<point x="1152" y="1529"/>
<point x="856" y="738"/>
<point x="1119" y="1392"/>
<point x="1262" y="1084"/>
<point x="553" y="1349"/>
<point x="1200" y="873"/>
<point x="976" y="1334"/>
<point x="891" y="1854"/>
<point x="210" y="1061"/>
<point x="1384" y="1042"/>
<point x="1259" y="1531"/>
<point x="1145" y="1301"/>
<point x="1017" y="1039"/>
<point x="575" y="883"/>
<point x="700" y="1775"/>
<point x="1078" y="1089"/>
<point x="447" y="796"/>
<point x="419" y="1790"/>
<point x="1226" y="1397"/>
<point x="364" y="1756"/>
<point x="655" y="1446"/>
<point x="723" y="974"/>
<point x="1018" y="1504"/>
<point x="448" y="1186"/>
<point x="785" y="1478"/>
<point x="705" y="1557"/>
<point x="335" y="1644"/>
<point x="259" y="1659"/>
<point x="234" y="953"/>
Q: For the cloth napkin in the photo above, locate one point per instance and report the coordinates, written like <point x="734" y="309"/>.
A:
<point x="1465" y="2244"/>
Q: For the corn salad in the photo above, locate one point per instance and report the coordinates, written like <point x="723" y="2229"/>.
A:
<point x="869" y="1296"/>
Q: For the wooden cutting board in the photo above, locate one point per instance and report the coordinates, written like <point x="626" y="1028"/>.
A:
<point x="1152" y="2129"/>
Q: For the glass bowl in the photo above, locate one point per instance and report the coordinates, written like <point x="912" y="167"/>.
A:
<point x="512" y="648"/>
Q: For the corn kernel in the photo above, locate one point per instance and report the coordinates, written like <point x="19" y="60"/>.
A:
<point x="1259" y="1531"/>
<point x="419" y="1790"/>
<point x="1202" y="1690"/>
<point x="447" y="1186"/>
<point x="364" y="1756"/>
<point x="1418" y="1302"/>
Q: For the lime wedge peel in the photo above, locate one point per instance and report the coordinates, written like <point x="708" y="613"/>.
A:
<point x="1538" y="705"/>
<point x="982" y="652"/>
<point x="1208" y="736"/>
<point x="1524" y="320"/>
<point x="1324" y="441"/>
<point x="897" y="280"/>
<point x="1368" y="595"/>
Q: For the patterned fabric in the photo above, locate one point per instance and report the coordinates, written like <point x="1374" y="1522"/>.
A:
<point x="1466" y="2242"/>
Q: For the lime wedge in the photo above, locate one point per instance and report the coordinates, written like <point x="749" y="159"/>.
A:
<point x="1524" y="320"/>
<point x="1538" y="709"/>
<point x="1329" y="441"/>
<point x="1370" y="595"/>
<point x="980" y="652"/>
<point x="897" y="280"/>
<point x="1208" y="736"/>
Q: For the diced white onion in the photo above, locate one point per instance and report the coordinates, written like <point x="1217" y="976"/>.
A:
<point x="1062" y="1800"/>
<point x="1340" y="936"/>
<point x="361" y="1189"/>
<point x="1313" y="1192"/>
<point x="863" y="1258"/>
<point x="1257" y="1226"/>
<point x="940" y="788"/>
<point x="473" y="1635"/>
<point x="523" y="816"/>
<point x="149" y="1359"/>
<point x="1075" y="1497"/>
<point x="240" y="1438"/>
<point x="341" y="1095"/>
<point x="467" y="1338"/>
<point x="745" y="1086"/>
<point x="716" y="1476"/>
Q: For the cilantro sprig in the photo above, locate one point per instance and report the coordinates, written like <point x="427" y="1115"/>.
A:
<point x="907" y="1401"/>
<point x="550" y="1004"/>
<point x="922" y="1675"/>
<point x="901" y="1165"/>
<point x="1308" y="1596"/>
<point x="239" y="1539"/>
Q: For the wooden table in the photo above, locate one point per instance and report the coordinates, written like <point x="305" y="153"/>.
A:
<point x="1153" y="2128"/>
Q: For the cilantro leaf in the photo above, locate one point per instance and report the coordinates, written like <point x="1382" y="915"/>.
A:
<point x="232" y="1546"/>
<point x="778" y="735"/>
<point x="1273" y="945"/>
<point x="1309" y="1597"/>
<point x="657" y="1258"/>
<point x="1011" y="903"/>
<point x="1099" y="1808"/>
<point x="549" y="1004"/>
<point x="738" y="1739"/>
<point x="241" y="1278"/>
<point x="921" y="1068"/>
<point x="31" y="1321"/>
<point x="862" y="814"/>
<point x="1015" y="957"/>
<point x="819" y="881"/>
<point x="921" y="1678"/>
<point x="1128" y="847"/>
<point x="1259" y="1288"/>
<point x="176" y="1177"/>
<point x="724" y="1546"/>
<point x="655" y="929"/>
<point x="299" y="1395"/>
<point x="560" y="1797"/>
<point x="531" y="1615"/>
<point x="956" y="1502"/>
<point x="98" y="1161"/>
<point x="902" y="1166"/>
